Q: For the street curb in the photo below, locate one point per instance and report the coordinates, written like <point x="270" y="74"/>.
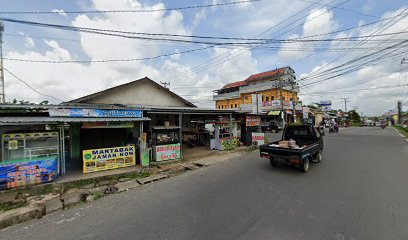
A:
<point x="401" y="134"/>
<point x="20" y="215"/>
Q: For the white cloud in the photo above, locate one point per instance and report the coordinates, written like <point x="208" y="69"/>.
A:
<point x="177" y="56"/>
<point x="29" y="42"/>
<point x="68" y="81"/>
<point x="199" y="17"/>
<point x="388" y="71"/>
<point x="60" y="12"/>
<point x="318" y="21"/>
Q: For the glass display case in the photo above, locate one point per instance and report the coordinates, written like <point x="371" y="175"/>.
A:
<point x="165" y="135"/>
<point x="28" y="158"/>
<point x="166" y="143"/>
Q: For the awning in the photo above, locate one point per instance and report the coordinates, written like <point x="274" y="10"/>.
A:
<point x="55" y="120"/>
<point x="273" y="113"/>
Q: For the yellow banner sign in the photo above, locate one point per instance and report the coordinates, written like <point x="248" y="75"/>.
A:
<point x="96" y="160"/>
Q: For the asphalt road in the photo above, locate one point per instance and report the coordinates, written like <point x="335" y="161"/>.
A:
<point x="359" y="191"/>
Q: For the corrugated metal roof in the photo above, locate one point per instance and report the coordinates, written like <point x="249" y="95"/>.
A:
<point x="50" y="120"/>
<point x="235" y="84"/>
<point x="93" y="95"/>
<point x="265" y="74"/>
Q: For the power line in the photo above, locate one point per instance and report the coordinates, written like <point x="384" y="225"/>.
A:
<point x="131" y="11"/>
<point x="361" y="89"/>
<point x="179" y="37"/>
<point x="216" y="60"/>
<point x="29" y="86"/>
<point x="319" y="72"/>
<point x="107" y="60"/>
<point x="345" y="9"/>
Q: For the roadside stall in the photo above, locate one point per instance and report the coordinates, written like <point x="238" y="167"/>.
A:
<point x="165" y="141"/>
<point x="29" y="158"/>
<point x="197" y="134"/>
<point x="225" y="135"/>
<point x="102" y="139"/>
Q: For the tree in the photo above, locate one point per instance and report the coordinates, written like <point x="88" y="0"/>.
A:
<point x="354" y="116"/>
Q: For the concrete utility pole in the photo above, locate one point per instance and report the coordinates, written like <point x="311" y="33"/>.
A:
<point x="346" y="100"/>
<point x="165" y="84"/>
<point x="399" y="107"/>
<point x="281" y="101"/>
<point x="2" y="94"/>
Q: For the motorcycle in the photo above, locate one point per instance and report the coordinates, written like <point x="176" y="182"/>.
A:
<point x="382" y="126"/>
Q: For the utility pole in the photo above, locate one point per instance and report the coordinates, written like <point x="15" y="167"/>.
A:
<point x="346" y="100"/>
<point x="165" y="84"/>
<point x="281" y="101"/>
<point x="399" y="107"/>
<point x="2" y="94"/>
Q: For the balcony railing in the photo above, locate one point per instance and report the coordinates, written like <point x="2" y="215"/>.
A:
<point x="224" y="96"/>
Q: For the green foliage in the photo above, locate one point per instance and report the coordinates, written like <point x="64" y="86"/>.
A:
<point x="97" y="195"/>
<point x="8" y="206"/>
<point x="295" y="124"/>
<point x="354" y="116"/>
<point x="402" y="130"/>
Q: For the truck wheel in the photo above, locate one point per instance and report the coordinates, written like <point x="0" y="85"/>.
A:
<point x="273" y="162"/>
<point x="305" y="166"/>
<point x="319" y="156"/>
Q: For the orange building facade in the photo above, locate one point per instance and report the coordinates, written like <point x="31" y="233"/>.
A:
<point x="238" y="95"/>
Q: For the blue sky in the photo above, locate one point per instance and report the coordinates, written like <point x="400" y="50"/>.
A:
<point x="188" y="78"/>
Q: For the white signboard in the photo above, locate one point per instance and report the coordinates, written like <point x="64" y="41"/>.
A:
<point x="305" y="112"/>
<point x="258" y="138"/>
<point x="298" y="106"/>
<point x="326" y="105"/>
<point x="274" y="104"/>
<point x="256" y="103"/>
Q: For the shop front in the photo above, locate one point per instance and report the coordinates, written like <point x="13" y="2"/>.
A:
<point x="29" y="158"/>
<point x="103" y="139"/>
<point x="44" y="142"/>
<point x="175" y="131"/>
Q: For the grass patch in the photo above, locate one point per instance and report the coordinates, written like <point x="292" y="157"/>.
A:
<point x="402" y="130"/>
<point x="79" y="183"/>
<point x="8" y="206"/>
<point x="97" y="195"/>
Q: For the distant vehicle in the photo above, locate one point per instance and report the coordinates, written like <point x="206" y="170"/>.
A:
<point x="308" y="147"/>
<point x="271" y="126"/>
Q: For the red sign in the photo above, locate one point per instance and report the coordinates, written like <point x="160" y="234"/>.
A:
<point x="253" y="121"/>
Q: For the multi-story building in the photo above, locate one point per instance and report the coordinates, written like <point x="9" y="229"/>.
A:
<point x="278" y="84"/>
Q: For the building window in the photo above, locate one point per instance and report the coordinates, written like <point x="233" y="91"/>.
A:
<point x="272" y="98"/>
<point x="246" y="97"/>
<point x="266" y="98"/>
<point x="283" y="98"/>
<point x="232" y="105"/>
<point x="219" y="107"/>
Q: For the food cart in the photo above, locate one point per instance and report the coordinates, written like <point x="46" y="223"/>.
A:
<point x="28" y="158"/>
<point x="166" y="143"/>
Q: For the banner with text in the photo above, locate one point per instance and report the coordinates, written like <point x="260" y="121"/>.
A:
<point x="258" y="138"/>
<point x="96" y="160"/>
<point x="167" y="152"/>
<point x="22" y="173"/>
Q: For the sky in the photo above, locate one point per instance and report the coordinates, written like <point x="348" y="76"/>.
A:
<point x="371" y="89"/>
